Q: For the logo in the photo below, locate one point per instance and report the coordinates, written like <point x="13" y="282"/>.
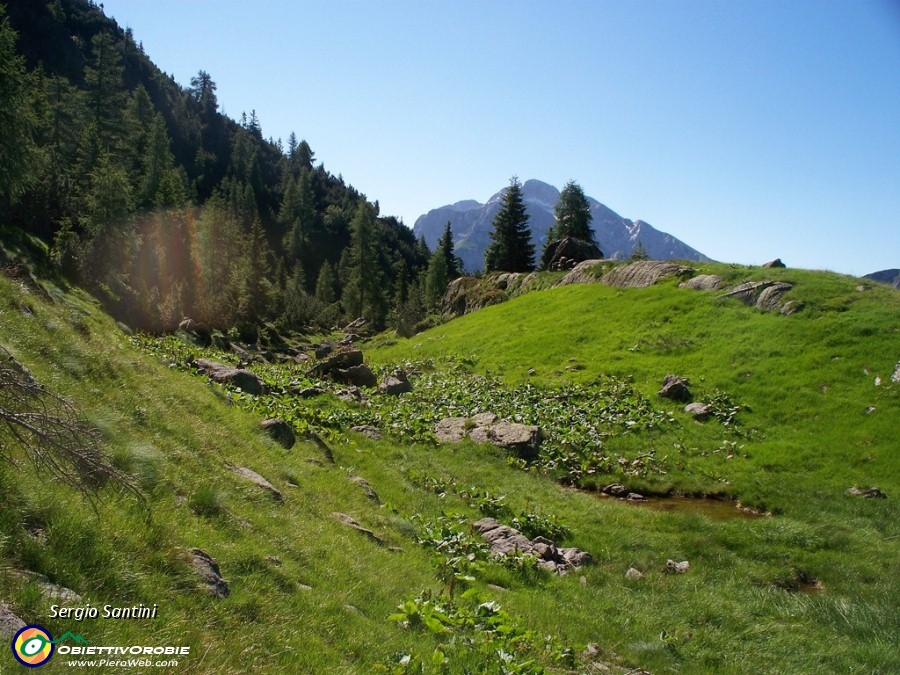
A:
<point x="32" y="646"/>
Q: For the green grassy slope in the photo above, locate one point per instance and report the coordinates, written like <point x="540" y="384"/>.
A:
<point x="309" y="595"/>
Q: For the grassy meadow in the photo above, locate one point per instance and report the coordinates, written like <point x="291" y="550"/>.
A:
<point x="811" y="588"/>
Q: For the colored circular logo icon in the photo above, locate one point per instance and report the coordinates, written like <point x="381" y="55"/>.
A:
<point x="32" y="646"/>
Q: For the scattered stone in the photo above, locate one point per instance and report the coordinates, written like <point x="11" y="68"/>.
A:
<point x="775" y="263"/>
<point x="367" y="488"/>
<point x="394" y="385"/>
<point x="10" y="624"/>
<point x="870" y="410"/>
<point x="633" y="574"/>
<point x="350" y="395"/>
<point x="673" y="567"/>
<point x="866" y="493"/>
<point x="245" y="380"/>
<point x="344" y="519"/>
<point x="357" y="376"/>
<point x="566" y="253"/>
<point x="877" y="381"/>
<point x="310" y="392"/>
<point x="505" y="540"/>
<point x="47" y="588"/>
<point x="522" y="439"/>
<point x="321" y="445"/>
<point x="207" y="569"/>
<point x="675" y="388"/>
<point x="280" y="431"/>
<point x="368" y="431"/>
<point x="634" y="497"/>
<point x="703" y="282"/>
<point x="896" y="376"/>
<point x="700" y="411"/>
<point x="342" y="360"/>
<point x="274" y="560"/>
<point x="791" y="307"/>
<point x="258" y="481"/>
<point x="615" y="489"/>
<point x="644" y="273"/>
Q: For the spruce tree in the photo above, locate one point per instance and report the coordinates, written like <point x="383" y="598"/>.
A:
<point x="573" y="215"/>
<point x="511" y="249"/>
<point x="445" y="249"/>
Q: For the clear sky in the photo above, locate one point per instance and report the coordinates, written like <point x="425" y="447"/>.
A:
<point x="750" y="129"/>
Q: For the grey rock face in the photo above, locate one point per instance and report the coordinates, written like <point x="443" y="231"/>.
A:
<point x="260" y="482"/>
<point x="675" y="388"/>
<point x="522" y="439"/>
<point x="644" y="273"/>
<point x="208" y="573"/>
<point x="280" y="431"/>
<point x="504" y="540"/>
<point x="244" y="379"/>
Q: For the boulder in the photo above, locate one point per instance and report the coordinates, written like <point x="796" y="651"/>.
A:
<point x="700" y="411"/>
<point x="366" y="487"/>
<point x="675" y="388"/>
<point x="504" y="540"/>
<point x="341" y="360"/>
<point x="765" y="295"/>
<point x="775" y="263"/>
<point x="258" y="481"/>
<point x="241" y="378"/>
<point x="394" y="385"/>
<point x="357" y="376"/>
<point x="280" y="431"/>
<point x="633" y="574"/>
<point x="896" y="376"/>
<point x="522" y="439"/>
<point x="566" y="253"/>
<point x="10" y="624"/>
<point x="703" y="282"/>
<point x="644" y="273"/>
<point x="208" y="573"/>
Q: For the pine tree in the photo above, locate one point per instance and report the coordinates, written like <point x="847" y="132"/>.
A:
<point x="445" y="247"/>
<point x="639" y="252"/>
<point x="436" y="279"/>
<point x="511" y="249"/>
<point x="363" y="294"/>
<point x="573" y="215"/>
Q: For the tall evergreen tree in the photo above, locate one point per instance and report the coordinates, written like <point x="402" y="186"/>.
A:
<point x="573" y="215"/>
<point x="363" y="293"/>
<point x="451" y="261"/>
<point x="511" y="248"/>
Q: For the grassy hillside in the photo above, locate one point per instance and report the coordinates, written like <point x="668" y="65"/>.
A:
<point x="811" y="589"/>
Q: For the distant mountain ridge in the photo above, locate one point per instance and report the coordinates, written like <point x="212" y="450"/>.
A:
<point x="471" y="223"/>
<point x="890" y="277"/>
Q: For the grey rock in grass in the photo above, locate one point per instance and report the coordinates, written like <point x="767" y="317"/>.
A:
<point x="633" y="574"/>
<point x="207" y="571"/>
<point x="521" y="439"/>
<point x="280" y="431"/>
<point x="350" y="522"/>
<point x="867" y="493"/>
<point x="47" y="588"/>
<point x="257" y="480"/>
<point x="504" y="540"/>
<point x="10" y="624"/>
<point x="341" y="360"/>
<point x="644" y="273"/>
<point x="896" y="376"/>
<point x="368" y="431"/>
<point x="703" y="282"/>
<point x="566" y="253"/>
<point x="246" y="380"/>
<point x="358" y="376"/>
<point x="582" y="273"/>
<point x="310" y="392"/>
<point x="700" y="411"/>
<point x="394" y="385"/>
<point x="673" y="567"/>
<point x="765" y="295"/>
<point x="675" y="388"/>
<point x="775" y="263"/>
<point x="366" y="487"/>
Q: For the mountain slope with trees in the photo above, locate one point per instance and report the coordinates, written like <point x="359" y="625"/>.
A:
<point x="167" y="208"/>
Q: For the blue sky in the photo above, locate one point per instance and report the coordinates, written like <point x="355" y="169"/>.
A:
<point x="749" y="129"/>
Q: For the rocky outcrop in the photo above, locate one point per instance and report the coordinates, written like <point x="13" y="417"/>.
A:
<point x="366" y="488"/>
<point x="866" y="493"/>
<point x="280" y="431"/>
<point x="468" y="294"/>
<point x="522" y="439"/>
<point x="345" y="367"/>
<point x="700" y="411"/>
<point x="775" y="263"/>
<point x="583" y="273"/>
<point x="703" y="282"/>
<point x="566" y="253"/>
<point x="675" y="388"/>
<point x="896" y="376"/>
<point x="241" y="378"/>
<point x="260" y="482"/>
<point x="208" y="573"/>
<point x="368" y="431"/>
<point x="47" y="588"/>
<point x="766" y="295"/>
<point x="644" y="273"/>
<point x="504" y="540"/>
